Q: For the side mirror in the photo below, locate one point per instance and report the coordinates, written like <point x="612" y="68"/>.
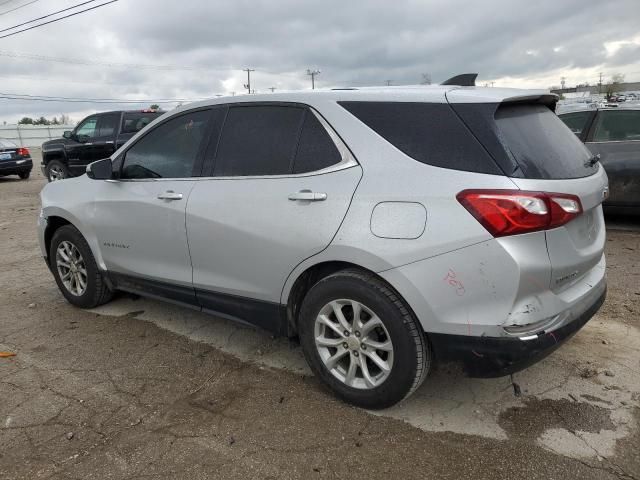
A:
<point x="100" y="170"/>
<point x="67" y="134"/>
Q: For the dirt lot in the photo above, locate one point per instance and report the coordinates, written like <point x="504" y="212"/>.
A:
<point x="139" y="389"/>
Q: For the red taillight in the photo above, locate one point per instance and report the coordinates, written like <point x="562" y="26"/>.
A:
<point x="511" y="212"/>
<point x="23" y="152"/>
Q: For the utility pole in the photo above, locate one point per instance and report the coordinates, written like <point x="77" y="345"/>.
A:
<point x="248" y="84"/>
<point x="388" y="83"/>
<point x="563" y="81"/>
<point x="272" y="89"/>
<point x="313" y="74"/>
<point x="600" y="83"/>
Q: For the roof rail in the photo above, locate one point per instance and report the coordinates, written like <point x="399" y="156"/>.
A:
<point x="463" y="80"/>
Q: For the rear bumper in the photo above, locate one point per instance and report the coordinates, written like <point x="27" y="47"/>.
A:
<point x="498" y="356"/>
<point x="12" y="167"/>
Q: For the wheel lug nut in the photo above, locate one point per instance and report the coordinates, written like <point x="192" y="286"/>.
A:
<point x="345" y="345"/>
<point x="357" y="333"/>
<point x="364" y="347"/>
<point x="355" y="353"/>
<point x="346" y="333"/>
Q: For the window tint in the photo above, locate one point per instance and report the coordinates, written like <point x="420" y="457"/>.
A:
<point x="540" y="143"/>
<point x="576" y="121"/>
<point x="108" y="124"/>
<point x="88" y="127"/>
<point x="430" y="133"/>
<point x="258" y="140"/>
<point x="618" y="126"/>
<point x="169" y="150"/>
<point x="316" y="149"/>
<point x="134" y="122"/>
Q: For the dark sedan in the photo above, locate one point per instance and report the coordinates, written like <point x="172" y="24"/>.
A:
<point x="614" y="134"/>
<point x="14" y="160"/>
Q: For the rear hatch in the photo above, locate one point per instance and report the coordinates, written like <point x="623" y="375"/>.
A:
<point x="539" y="153"/>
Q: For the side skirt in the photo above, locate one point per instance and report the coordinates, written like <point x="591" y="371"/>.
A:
<point x="266" y="315"/>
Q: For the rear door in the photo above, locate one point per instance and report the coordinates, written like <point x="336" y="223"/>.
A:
<point x="616" y="138"/>
<point x="278" y="189"/>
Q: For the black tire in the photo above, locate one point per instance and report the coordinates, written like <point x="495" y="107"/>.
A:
<point x="56" y="170"/>
<point x="24" y="175"/>
<point x="96" y="292"/>
<point x="411" y="351"/>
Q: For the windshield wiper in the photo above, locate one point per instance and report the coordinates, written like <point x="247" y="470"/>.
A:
<point x="592" y="161"/>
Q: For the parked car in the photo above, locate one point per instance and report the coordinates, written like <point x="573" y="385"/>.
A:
<point x="387" y="228"/>
<point x="614" y="135"/>
<point x="95" y="137"/>
<point x="14" y="160"/>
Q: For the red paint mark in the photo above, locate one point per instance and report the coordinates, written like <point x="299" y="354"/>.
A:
<point x="452" y="279"/>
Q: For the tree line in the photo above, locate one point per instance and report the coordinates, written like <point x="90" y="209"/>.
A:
<point x="63" y="120"/>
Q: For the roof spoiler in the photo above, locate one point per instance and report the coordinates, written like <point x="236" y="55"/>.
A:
<point x="463" y="80"/>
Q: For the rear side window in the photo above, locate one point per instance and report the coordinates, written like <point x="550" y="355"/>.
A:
<point x="576" y="121"/>
<point x="134" y="122"/>
<point x="430" y="133"/>
<point x="108" y="124"/>
<point x="542" y="146"/>
<point x="618" y="126"/>
<point x="170" y="150"/>
<point x="316" y="149"/>
<point x="258" y="140"/>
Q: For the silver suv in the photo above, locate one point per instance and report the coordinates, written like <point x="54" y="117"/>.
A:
<point x="387" y="228"/>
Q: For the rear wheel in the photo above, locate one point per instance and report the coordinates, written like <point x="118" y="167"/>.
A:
<point x="56" y="170"/>
<point x="24" y="175"/>
<point x="361" y="339"/>
<point x="75" y="269"/>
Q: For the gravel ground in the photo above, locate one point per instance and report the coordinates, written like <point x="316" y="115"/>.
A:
<point x="144" y="390"/>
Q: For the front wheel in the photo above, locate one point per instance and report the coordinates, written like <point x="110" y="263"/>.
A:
<point x="360" y="338"/>
<point x="24" y="175"/>
<point x="56" y="170"/>
<point x="75" y="269"/>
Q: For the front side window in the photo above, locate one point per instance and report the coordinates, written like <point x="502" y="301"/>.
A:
<point x="87" y="129"/>
<point x="258" y="140"/>
<point x="169" y="150"/>
<point x="576" y="121"/>
<point x="617" y="126"/>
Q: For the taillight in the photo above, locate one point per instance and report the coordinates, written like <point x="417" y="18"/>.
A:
<point x="23" y="152"/>
<point x="511" y="212"/>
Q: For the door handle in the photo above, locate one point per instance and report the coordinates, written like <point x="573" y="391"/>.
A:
<point x="169" y="195"/>
<point x="308" y="195"/>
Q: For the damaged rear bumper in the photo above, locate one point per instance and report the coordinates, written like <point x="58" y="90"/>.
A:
<point x="498" y="356"/>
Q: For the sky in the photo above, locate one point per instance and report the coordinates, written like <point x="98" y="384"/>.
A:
<point x="148" y="50"/>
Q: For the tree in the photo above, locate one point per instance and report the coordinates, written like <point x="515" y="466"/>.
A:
<point x="155" y="107"/>
<point x="26" y="121"/>
<point x="426" y="79"/>
<point x="617" y="79"/>
<point x="41" y="121"/>
<point x="64" y="119"/>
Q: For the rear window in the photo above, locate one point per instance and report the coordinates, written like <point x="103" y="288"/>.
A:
<point x="430" y="133"/>
<point x="134" y="122"/>
<point x="576" y="121"/>
<point x="540" y="143"/>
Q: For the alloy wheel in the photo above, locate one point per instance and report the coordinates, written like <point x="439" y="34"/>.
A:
<point x="56" y="173"/>
<point x="354" y="344"/>
<point x="71" y="268"/>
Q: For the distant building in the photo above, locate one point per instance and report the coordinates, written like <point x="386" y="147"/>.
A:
<point x="594" y="89"/>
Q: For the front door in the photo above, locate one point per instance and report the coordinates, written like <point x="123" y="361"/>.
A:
<point x="140" y="217"/>
<point x="278" y="193"/>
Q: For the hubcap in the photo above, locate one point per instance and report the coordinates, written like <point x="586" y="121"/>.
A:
<point x="55" y="173"/>
<point x="71" y="268"/>
<point x="353" y="344"/>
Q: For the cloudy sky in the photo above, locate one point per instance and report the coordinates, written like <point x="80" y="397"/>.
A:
<point x="192" y="49"/>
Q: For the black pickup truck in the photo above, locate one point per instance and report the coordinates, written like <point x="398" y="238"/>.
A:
<point x="95" y="137"/>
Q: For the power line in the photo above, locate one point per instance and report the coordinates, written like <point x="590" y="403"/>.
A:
<point x="18" y="8"/>
<point x="57" y="19"/>
<point x="47" y="98"/>
<point x="47" y="16"/>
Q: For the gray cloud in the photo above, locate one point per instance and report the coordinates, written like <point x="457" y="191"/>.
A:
<point x="353" y="43"/>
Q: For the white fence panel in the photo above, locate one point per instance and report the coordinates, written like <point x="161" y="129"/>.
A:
<point x="32" y="136"/>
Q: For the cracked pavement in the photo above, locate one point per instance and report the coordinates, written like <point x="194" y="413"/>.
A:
<point x="142" y="389"/>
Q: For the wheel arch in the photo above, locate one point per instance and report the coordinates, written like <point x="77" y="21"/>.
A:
<point x="57" y="154"/>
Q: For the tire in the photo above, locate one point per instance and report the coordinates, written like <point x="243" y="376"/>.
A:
<point x="24" y="175"/>
<point x="408" y="362"/>
<point x="95" y="292"/>
<point x="56" y="170"/>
